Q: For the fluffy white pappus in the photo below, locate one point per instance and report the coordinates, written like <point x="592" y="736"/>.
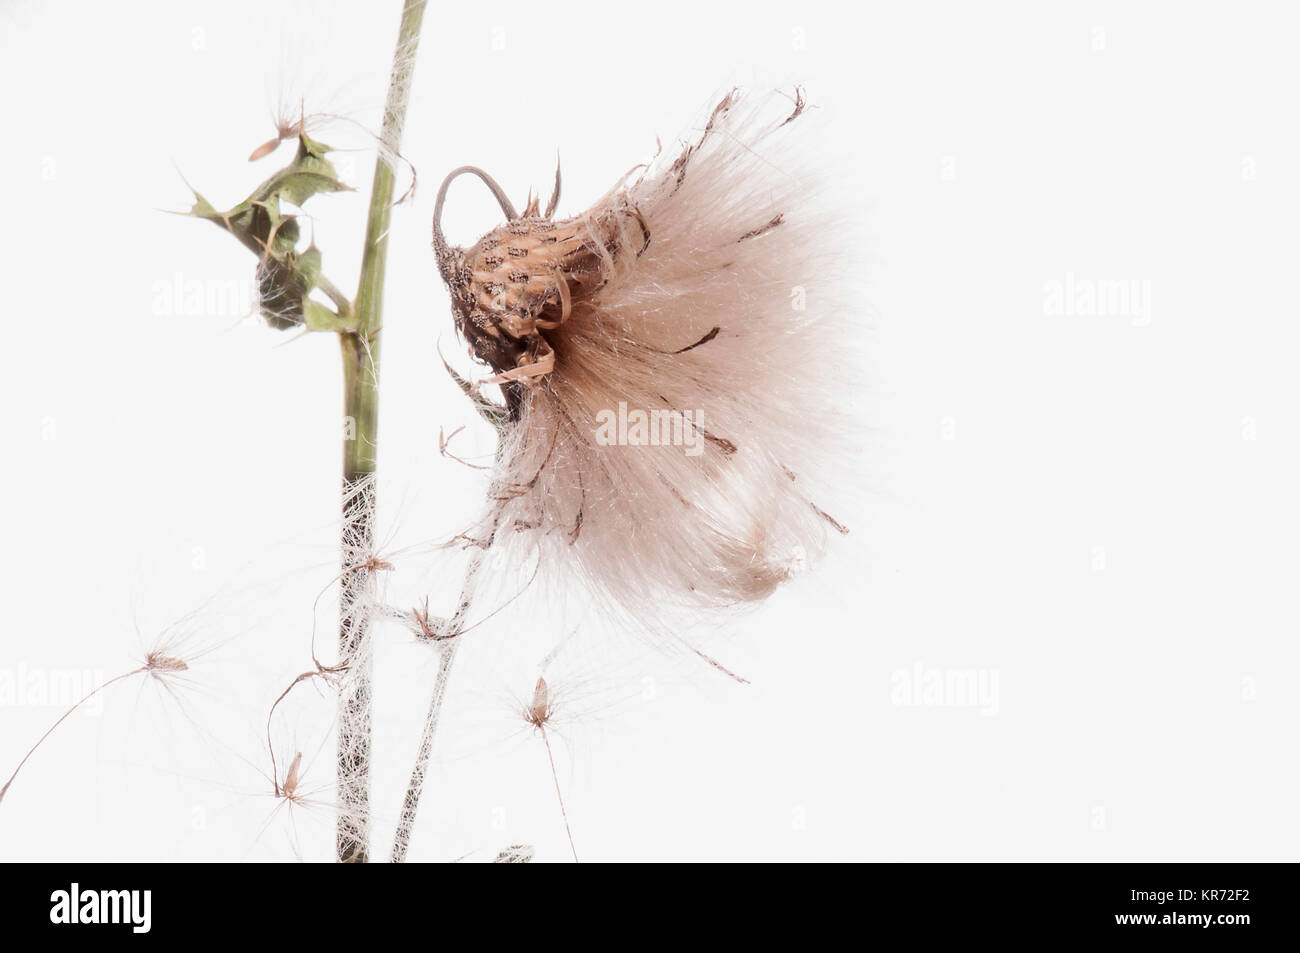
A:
<point x="676" y="363"/>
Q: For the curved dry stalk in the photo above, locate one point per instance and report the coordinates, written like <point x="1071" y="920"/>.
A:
<point x="320" y="672"/>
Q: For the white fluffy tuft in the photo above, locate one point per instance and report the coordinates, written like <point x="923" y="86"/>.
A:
<point x="732" y="320"/>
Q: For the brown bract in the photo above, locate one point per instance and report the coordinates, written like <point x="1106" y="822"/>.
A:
<point x="525" y="276"/>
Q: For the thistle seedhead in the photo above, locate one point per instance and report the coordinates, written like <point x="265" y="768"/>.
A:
<point x="526" y="276"/>
<point x="664" y="374"/>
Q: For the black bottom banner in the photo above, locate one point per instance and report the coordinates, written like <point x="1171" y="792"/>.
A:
<point x="280" y="903"/>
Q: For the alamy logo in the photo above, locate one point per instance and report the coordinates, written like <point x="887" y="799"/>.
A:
<point x="59" y="687"/>
<point x="204" y="297"/>
<point x="653" y="428"/>
<point x="132" y="907"/>
<point x="921" y="687"/>
<point x="1098" y="298"/>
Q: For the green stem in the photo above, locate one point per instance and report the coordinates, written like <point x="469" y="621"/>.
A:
<point x="360" y="350"/>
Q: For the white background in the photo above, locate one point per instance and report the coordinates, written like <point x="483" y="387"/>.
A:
<point x="1095" y="513"/>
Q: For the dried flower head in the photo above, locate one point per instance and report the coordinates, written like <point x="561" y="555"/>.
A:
<point x="289" y="788"/>
<point x="156" y="663"/>
<point x="670" y="363"/>
<point x="540" y="710"/>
